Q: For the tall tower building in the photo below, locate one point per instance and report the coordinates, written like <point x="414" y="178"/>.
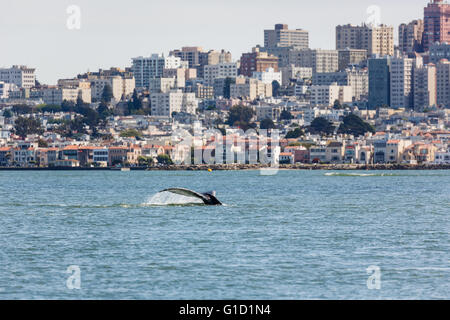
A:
<point x="424" y="87"/>
<point x="376" y="40"/>
<point x="281" y="36"/>
<point x="436" y="23"/>
<point x="379" y="82"/>
<point x="442" y="83"/>
<point x="410" y="36"/>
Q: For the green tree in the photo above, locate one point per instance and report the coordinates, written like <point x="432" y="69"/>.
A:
<point x="107" y="94"/>
<point x="42" y="143"/>
<point x="286" y="115"/>
<point x="226" y="89"/>
<point x="7" y="113"/>
<point x="145" y="161"/>
<point x="352" y="124"/>
<point x="131" y="133"/>
<point x="164" y="159"/>
<point x="103" y="110"/>
<point x="275" y="88"/>
<point x="267" y="124"/>
<point x="25" y="126"/>
<point x="69" y="106"/>
<point x="321" y="125"/>
<point x="294" y="134"/>
<point x="22" y="109"/>
<point x="240" y="116"/>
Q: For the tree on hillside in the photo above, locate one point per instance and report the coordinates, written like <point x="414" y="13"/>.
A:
<point x="286" y="115"/>
<point x="321" y="125"/>
<point x="267" y="124"/>
<point x="352" y="124"/>
<point x="275" y="88"/>
<point x="240" y="116"/>
<point x="294" y="134"/>
<point x="107" y="94"/>
<point x="25" y="126"/>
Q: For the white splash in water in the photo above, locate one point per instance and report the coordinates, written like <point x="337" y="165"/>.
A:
<point x="168" y="198"/>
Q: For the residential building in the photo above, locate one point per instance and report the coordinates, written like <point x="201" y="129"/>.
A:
<point x="358" y="79"/>
<point x="317" y="59"/>
<point x="425" y="89"/>
<point x="158" y="85"/>
<point x="268" y="76"/>
<point x="375" y="39"/>
<point x="121" y="86"/>
<point x="443" y="83"/>
<point x="410" y="36"/>
<point x="436" y="23"/>
<point x="257" y="61"/>
<point x="401" y="82"/>
<point x="146" y="68"/>
<point x="318" y="154"/>
<point x="439" y="51"/>
<point x="221" y="70"/>
<point x="335" y="152"/>
<point x="165" y="104"/>
<point x="282" y="36"/>
<point x="349" y="57"/>
<point x="379" y="82"/>
<point x="56" y="95"/>
<point x="250" y="88"/>
<point x="292" y="73"/>
<point x="21" y="76"/>
<point x="326" y="95"/>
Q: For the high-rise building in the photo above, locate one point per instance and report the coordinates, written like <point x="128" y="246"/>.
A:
<point x="145" y="69"/>
<point x="436" y="23"/>
<point x="358" y="79"/>
<point x="349" y="57"/>
<point x="221" y="70"/>
<point x="21" y="76"/>
<point x="443" y="83"/>
<point x="375" y="39"/>
<point x="257" y="61"/>
<point x="424" y="87"/>
<point x="410" y="36"/>
<point x="281" y="36"/>
<point x="439" y="51"/>
<point x="319" y="60"/>
<point x="379" y="82"/>
<point x="166" y="103"/>
<point x="402" y="82"/>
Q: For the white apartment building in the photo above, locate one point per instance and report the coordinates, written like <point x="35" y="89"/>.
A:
<point x="250" y="88"/>
<point x="424" y="87"/>
<point x="318" y="59"/>
<point x="56" y="95"/>
<point x="221" y="70"/>
<point x="165" y="104"/>
<point x="21" y="76"/>
<point x="356" y="78"/>
<point x="164" y="85"/>
<point x="268" y="76"/>
<point x="6" y="88"/>
<point x="401" y="89"/>
<point x="146" y="68"/>
<point x="121" y="86"/>
<point x="292" y="72"/>
<point x="326" y="95"/>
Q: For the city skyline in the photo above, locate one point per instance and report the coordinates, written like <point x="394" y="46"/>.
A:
<point x="102" y="42"/>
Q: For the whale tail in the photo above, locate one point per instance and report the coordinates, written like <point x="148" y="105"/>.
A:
<point x="208" y="198"/>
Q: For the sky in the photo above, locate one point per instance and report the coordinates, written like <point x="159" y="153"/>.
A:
<point x="35" y="33"/>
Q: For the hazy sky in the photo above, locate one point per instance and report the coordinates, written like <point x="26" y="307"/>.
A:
<point x="34" y="33"/>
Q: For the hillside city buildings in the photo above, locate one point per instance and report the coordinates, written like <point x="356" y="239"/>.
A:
<point x="124" y="115"/>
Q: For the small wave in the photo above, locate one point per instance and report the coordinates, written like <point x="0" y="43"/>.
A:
<point x="338" y="174"/>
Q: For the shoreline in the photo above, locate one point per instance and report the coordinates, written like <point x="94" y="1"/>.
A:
<point x="241" y="167"/>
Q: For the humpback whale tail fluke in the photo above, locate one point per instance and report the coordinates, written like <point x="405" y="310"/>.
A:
<point x="208" y="198"/>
